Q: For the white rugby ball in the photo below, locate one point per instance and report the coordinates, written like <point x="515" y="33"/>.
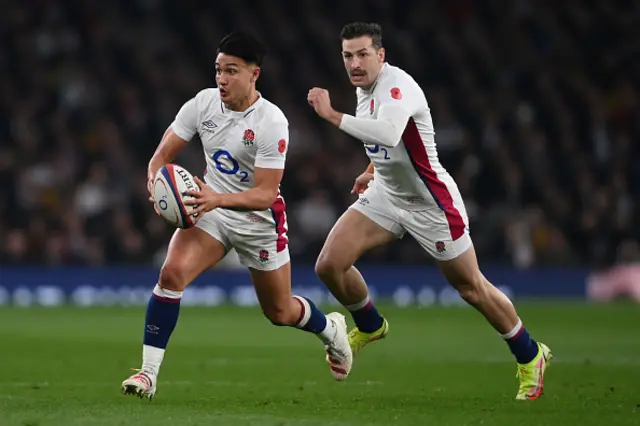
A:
<point x="169" y="187"/>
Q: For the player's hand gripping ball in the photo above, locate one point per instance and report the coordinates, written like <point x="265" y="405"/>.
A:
<point x="203" y="199"/>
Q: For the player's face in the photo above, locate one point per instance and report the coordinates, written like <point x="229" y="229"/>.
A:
<point x="361" y="60"/>
<point x="234" y="77"/>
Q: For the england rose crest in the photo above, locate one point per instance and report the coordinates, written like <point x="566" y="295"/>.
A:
<point x="249" y="137"/>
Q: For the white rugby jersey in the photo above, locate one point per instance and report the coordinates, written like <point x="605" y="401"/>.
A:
<point x="400" y="142"/>
<point x="234" y="144"/>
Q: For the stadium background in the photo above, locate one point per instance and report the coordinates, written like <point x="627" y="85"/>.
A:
<point x="535" y="104"/>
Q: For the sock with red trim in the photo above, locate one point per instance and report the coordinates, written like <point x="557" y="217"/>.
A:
<point x="161" y="319"/>
<point x="366" y="316"/>
<point x="314" y="321"/>
<point x="522" y="346"/>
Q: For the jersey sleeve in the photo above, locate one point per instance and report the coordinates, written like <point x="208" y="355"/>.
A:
<point x="272" y="147"/>
<point x="185" y="125"/>
<point x="386" y="130"/>
<point x="399" y="93"/>
<point x="398" y="99"/>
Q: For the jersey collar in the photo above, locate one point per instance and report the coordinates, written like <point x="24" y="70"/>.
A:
<point x="241" y="114"/>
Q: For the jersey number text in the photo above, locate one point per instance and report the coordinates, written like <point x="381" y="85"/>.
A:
<point x="377" y="148"/>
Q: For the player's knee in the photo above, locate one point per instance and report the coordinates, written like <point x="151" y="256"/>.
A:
<point x="279" y="316"/>
<point x="473" y="290"/>
<point x="172" y="277"/>
<point x="328" y="267"/>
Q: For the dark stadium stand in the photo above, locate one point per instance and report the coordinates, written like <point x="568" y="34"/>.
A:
<point x="536" y="107"/>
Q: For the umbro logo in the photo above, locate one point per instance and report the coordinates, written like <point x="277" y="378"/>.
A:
<point x="209" y="126"/>
<point x="153" y="329"/>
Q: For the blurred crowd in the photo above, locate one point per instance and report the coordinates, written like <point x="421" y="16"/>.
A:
<point x="535" y="105"/>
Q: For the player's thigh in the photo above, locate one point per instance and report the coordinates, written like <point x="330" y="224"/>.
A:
<point x="367" y="224"/>
<point x="273" y="288"/>
<point x="463" y="272"/>
<point x="191" y="252"/>
<point x="262" y="247"/>
<point x="446" y="238"/>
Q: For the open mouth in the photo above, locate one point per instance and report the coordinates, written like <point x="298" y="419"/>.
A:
<point x="223" y="93"/>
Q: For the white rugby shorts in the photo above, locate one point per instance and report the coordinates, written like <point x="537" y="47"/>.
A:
<point x="260" y="243"/>
<point x="442" y="232"/>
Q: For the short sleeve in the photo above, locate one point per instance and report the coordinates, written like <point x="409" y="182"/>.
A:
<point x="272" y="146"/>
<point x="185" y="125"/>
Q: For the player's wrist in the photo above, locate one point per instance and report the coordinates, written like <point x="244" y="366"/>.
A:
<point x="335" y="118"/>
<point x="153" y="168"/>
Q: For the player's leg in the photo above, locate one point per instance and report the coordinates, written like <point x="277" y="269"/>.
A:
<point x="451" y="246"/>
<point x="464" y="274"/>
<point x="273" y="288"/>
<point x="191" y="252"/>
<point x="262" y="247"/>
<point x="365" y="225"/>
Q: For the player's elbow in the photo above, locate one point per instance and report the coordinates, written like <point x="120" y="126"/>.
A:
<point x="392" y="141"/>
<point x="390" y="137"/>
<point x="169" y="147"/>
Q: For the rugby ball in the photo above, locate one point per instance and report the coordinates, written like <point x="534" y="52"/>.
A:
<point x="169" y="187"/>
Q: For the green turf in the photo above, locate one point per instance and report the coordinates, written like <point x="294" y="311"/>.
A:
<point x="229" y="366"/>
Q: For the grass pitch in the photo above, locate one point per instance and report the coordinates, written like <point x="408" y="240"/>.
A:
<point x="229" y="366"/>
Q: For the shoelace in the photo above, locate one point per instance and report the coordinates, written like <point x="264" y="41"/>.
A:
<point x="143" y="376"/>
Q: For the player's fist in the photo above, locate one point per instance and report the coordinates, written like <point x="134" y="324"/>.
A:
<point x="361" y="183"/>
<point x="321" y="102"/>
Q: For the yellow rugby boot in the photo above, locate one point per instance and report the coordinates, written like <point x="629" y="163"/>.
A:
<point x="531" y="375"/>
<point x="359" y="339"/>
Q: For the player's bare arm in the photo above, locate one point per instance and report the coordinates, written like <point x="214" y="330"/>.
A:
<point x="260" y="197"/>
<point x="385" y="130"/>
<point x="168" y="148"/>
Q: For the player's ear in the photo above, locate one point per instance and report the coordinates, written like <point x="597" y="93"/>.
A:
<point x="256" y="74"/>
<point x="381" y="54"/>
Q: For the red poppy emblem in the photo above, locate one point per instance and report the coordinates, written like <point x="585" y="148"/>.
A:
<point x="396" y="93"/>
<point x="282" y="146"/>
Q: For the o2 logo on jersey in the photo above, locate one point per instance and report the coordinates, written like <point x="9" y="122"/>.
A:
<point x="228" y="165"/>
<point x="376" y="148"/>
